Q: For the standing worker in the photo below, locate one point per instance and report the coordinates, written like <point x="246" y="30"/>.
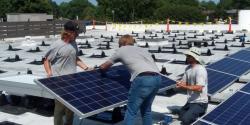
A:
<point x="195" y="82"/>
<point x="62" y="59"/>
<point x="145" y="79"/>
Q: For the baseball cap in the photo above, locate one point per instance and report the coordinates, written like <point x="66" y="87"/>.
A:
<point x="71" y="26"/>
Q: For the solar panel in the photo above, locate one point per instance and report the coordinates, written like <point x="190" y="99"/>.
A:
<point x="217" y="81"/>
<point x="248" y="49"/>
<point x="89" y="93"/>
<point x="246" y="88"/>
<point x="199" y="122"/>
<point x="231" y="66"/>
<point x="242" y="55"/>
<point x="234" y="111"/>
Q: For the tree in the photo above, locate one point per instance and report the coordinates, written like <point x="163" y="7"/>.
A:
<point x="5" y="7"/>
<point x="55" y="9"/>
<point x="241" y="4"/>
<point x="31" y="6"/>
<point x="81" y="8"/>
<point x="222" y="7"/>
<point x="210" y="5"/>
<point x="225" y="4"/>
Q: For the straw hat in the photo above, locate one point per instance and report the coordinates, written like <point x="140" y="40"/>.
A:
<point x="195" y="53"/>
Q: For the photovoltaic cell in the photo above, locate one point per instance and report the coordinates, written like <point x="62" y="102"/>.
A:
<point x="218" y="80"/>
<point x="89" y="93"/>
<point x="234" y="111"/>
<point x="246" y="88"/>
<point x="242" y="55"/>
<point x="231" y="66"/>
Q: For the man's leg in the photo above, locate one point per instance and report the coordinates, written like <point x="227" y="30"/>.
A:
<point x="183" y="110"/>
<point x="134" y="102"/>
<point x="151" y="86"/>
<point x="69" y="116"/>
<point x="58" y="113"/>
<point x="194" y="111"/>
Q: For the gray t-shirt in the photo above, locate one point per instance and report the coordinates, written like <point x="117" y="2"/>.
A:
<point x="136" y="59"/>
<point x="62" y="57"/>
<point x="196" y="75"/>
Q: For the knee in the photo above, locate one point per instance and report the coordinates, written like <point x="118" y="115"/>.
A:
<point x="58" y="113"/>
<point x="186" y="120"/>
<point x="131" y="112"/>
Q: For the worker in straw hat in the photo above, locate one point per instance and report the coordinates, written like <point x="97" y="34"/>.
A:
<point x="195" y="82"/>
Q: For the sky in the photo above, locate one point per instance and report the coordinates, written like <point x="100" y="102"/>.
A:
<point x="60" y="1"/>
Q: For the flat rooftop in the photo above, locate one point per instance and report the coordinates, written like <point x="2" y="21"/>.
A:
<point x="16" y="72"/>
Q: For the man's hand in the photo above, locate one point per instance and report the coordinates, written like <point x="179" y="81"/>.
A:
<point x="49" y="75"/>
<point x="180" y="84"/>
<point x="89" y="69"/>
<point x="103" y="72"/>
<point x="183" y="85"/>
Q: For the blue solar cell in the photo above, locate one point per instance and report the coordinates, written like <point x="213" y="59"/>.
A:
<point x="246" y="88"/>
<point x="248" y="49"/>
<point x="234" y="111"/>
<point x="105" y="102"/>
<point x="201" y="123"/>
<point x="242" y="55"/>
<point x="68" y="97"/>
<point x="84" y="108"/>
<point x="114" y="100"/>
<point x="76" y="103"/>
<point x="60" y="91"/>
<point x="231" y="66"/>
<point x="218" y="81"/>
<point x="89" y="92"/>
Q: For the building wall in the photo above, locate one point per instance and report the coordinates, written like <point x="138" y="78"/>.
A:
<point x="26" y="17"/>
<point x="244" y="19"/>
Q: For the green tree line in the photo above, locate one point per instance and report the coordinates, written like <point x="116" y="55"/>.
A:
<point x="126" y="10"/>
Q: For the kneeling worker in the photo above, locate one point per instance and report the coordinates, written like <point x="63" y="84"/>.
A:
<point x="195" y="82"/>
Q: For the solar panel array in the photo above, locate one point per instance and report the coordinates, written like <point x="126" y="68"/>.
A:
<point x="234" y="111"/>
<point x="246" y="88"/>
<point x="231" y="66"/>
<point x="241" y="55"/>
<point x="248" y="49"/>
<point x="218" y="80"/>
<point x="89" y="93"/>
<point x="226" y="71"/>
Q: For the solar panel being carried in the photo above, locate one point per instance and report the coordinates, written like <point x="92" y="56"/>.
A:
<point x="89" y="93"/>
<point x="231" y="66"/>
<point x="243" y="55"/>
<point x="234" y="111"/>
<point x="218" y="80"/>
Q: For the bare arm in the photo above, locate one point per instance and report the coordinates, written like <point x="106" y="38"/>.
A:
<point x="183" y="85"/>
<point x="105" y="65"/>
<point x="47" y="67"/>
<point x="80" y="63"/>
